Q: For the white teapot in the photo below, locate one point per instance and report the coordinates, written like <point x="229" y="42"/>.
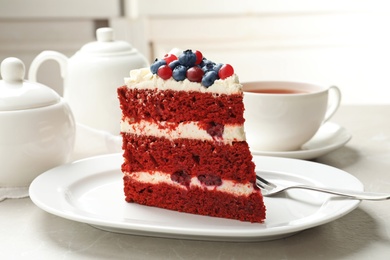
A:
<point x="37" y="128"/>
<point x="91" y="77"/>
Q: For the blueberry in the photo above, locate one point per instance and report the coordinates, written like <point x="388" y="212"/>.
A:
<point x="217" y="67"/>
<point x="157" y="63"/>
<point x="179" y="72"/>
<point x="173" y="64"/>
<point x="187" y="58"/>
<point x="209" y="78"/>
<point x="208" y="66"/>
<point x="204" y="62"/>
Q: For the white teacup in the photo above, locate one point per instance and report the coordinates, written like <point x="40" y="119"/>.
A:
<point x="282" y="115"/>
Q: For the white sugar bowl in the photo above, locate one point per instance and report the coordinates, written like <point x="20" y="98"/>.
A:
<point x="37" y="128"/>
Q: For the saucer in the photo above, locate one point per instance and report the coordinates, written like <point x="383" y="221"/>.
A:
<point x="328" y="138"/>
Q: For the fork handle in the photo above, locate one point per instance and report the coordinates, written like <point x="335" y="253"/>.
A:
<point x="360" y="195"/>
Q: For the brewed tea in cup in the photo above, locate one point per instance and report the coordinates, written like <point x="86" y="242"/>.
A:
<point x="283" y="115"/>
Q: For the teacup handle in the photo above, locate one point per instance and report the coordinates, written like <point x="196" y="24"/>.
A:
<point x="334" y="102"/>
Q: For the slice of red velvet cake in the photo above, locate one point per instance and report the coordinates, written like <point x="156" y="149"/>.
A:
<point x="184" y="140"/>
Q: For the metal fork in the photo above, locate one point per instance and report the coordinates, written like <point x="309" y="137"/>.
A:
<point x="269" y="189"/>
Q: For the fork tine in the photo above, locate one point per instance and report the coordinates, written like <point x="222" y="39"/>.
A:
<point x="265" y="182"/>
<point x="268" y="188"/>
<point x="260" y="184"/>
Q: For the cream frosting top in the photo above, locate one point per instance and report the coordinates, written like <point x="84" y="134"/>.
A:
<point x="145" y="79"/>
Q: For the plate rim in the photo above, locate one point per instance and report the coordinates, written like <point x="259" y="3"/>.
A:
<point x="150" y="230"/>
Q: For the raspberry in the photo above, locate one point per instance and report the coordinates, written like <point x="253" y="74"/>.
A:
<point x="194" y="74"/>
<point x="169" y="58"/>
<point x="164" y="72"/>
<point x="225" y="71"/>
<point x="199" y="57"/>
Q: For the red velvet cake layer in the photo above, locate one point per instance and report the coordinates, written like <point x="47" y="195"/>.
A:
<point x="190" y="156"/>
<point x="196" y="201"/>
<point x="180" y="106"/>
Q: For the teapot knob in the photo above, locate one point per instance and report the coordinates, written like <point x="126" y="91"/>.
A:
<point x="105" y="34"/>
<point x="12" y="70"/>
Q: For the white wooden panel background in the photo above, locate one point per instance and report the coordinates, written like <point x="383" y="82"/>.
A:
<point x="344" y="42"/>
<point x="28" y="27"/>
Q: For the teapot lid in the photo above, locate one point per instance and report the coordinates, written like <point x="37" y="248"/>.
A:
<point x="17" y="93"/>
<point x="106" y="45"/>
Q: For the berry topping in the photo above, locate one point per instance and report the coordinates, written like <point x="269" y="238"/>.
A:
<point x="210" y="179"/>
<point x="217" y="67"/>
<point x="179" y="72"/>
<point x="181" y="177"/>
<point x="199" y="57"/>
<point x="205" y="62"/>
<point x="209" y="78"/>
<point x="164" y="72"/>
<point x="173" y="64"/>
<point x="215" y="130"/>
<point x="192" y="66"/>
<point x="195" y="74"/>
<point x="187" y="58"/>
<point x="208" y="65"/>
<point x="157" y="63"/>
<point x="225" y="71"/>
<point x="169" y="57"/>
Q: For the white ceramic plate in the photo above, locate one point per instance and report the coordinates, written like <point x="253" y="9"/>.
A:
<point x="90" y="191"/>
<point x="328" y="138"/>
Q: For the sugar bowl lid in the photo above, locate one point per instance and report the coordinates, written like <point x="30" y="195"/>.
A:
<point x="17" y="93"/>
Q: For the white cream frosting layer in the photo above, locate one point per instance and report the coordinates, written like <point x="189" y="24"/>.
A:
<point x="144" y="79"/>
<point x="188" y="130"/>
<point x="227" y="186"/>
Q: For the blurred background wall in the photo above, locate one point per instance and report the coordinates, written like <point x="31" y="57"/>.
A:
<point x="344" y="43"/>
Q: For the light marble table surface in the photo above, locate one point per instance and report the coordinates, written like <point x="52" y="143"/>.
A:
<point x="28" y="232"/>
